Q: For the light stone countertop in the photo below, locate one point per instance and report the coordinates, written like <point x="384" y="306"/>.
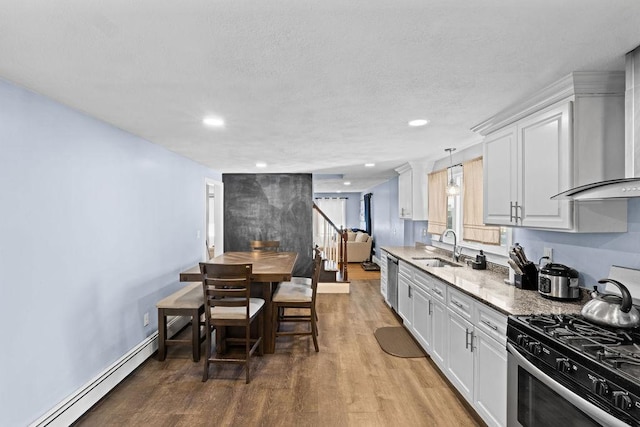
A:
<point x="485" y="285"/>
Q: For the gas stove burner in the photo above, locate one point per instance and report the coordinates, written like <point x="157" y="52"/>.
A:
<point x="610" y="346"/>
<point x="546" y="322"/>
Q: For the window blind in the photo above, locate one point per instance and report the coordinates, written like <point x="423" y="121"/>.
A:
<point x="437" y="202"/>
<point x="473" y="227"/>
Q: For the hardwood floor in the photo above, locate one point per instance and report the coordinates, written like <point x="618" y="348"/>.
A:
<point x="350" y="382"/>
<point x="356" y="272"/>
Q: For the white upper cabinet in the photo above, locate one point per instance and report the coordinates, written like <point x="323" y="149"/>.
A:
<point x="570" y="134"/>
<point x="412" y="191"/>
<point x="500" y="176"/>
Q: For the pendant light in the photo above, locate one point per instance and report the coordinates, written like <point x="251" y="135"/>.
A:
<point x="453" y="189"/>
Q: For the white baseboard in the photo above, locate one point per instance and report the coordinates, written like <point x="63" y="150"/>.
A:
<point x="334" y="288"/>
<point x="74" y="406"/>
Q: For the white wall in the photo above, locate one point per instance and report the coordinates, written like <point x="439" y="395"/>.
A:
<point x="95" y="226"/>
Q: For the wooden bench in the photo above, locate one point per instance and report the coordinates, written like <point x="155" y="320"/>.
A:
<point x="188" y="301"/>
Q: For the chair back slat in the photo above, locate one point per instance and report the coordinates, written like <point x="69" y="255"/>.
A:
<point x="264" y="245"/>
<point x="315" y="275"/>
<point x="226" y="285"/>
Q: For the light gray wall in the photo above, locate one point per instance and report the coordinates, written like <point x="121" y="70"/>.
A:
<point x="96" y="224"/>
<point x="592" y="254"/>
<point x="388" y="228"/>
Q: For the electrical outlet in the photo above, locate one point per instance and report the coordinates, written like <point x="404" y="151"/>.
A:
<point x="198" y="234"/>
<point x="424" y="232"/>
<point x="146" y="319"/>
<point x="548" y="252"/>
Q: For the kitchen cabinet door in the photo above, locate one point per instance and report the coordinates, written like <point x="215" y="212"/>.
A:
<point x="405" y="192"/>
<point x="490" y="382"/>
<point x="544" y="146"/>
<point x="524" y="166"/>
<point x="405" y="305"/>
<point x="460" y="354"/>
<point x="500" y="176"/>
<point x="383" y="274"/>
<point x="421" y="317"/>
<point x="412" y="190"/>
<point x="439" y="334"/>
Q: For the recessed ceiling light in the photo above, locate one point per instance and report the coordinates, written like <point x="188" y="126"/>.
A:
<point x="215" y="122"/>
<point x="418" y="122"/>
<point x="347" y="183"/>
<point x="261" y="165"/>
<point x="369" y="165"/>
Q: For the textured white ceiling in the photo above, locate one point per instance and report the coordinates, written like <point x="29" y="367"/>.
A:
<point x="307" y="86"/>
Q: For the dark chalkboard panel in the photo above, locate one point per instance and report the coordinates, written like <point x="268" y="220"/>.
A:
<point x="270" y="207"/>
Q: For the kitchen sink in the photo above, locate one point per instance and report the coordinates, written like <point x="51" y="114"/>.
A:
<point x="435" y="262"/>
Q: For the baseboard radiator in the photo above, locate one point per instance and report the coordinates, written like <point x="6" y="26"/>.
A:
<point x="74" y="406"/>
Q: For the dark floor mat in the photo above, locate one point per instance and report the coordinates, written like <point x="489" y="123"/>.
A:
<point x="396" y="341"/>
<point x="370" y="266"/>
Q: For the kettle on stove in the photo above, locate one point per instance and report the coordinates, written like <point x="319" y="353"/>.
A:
<point x="612" y="310"/>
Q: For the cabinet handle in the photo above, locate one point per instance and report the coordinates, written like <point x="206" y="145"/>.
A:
<point x="466" y="338"/>
<point x="437" y="291"/>
<point x="457" y="304"/>
<point x="513" y="212"/>
<point x="472" y="337"/>
<point x="409" y="288"/>
<point x="489" y="324"/>
<point x="518" y="216"/>
<point x="430" y="312"/>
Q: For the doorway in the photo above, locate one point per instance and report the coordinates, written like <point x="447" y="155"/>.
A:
<point x="214" y="224"/>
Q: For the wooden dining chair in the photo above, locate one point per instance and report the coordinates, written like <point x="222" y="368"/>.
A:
<point x="264" y="245"/>
<point x="304" y="281"/>
<point x="228" y="302"/>
<point x="289" y="295"/>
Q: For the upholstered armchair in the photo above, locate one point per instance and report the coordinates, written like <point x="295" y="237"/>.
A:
<point x="358" y="246"/>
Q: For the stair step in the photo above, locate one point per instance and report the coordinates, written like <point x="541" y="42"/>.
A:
<point x="330" y="266"/>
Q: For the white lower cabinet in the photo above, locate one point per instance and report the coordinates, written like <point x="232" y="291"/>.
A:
<point x="460" y="354"/>
<point x="464" y="338"/>
<point x="422" y="312"/>
<point x="383" y="274"/>
<point x="405" y="305"/>
<point x="439" y="335"/>
<point x="490" y="379"/>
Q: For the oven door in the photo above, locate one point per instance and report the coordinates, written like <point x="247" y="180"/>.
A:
<point x="535" y="399"/>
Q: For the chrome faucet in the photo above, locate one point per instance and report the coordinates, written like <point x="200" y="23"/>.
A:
<point x="457" y="251"/>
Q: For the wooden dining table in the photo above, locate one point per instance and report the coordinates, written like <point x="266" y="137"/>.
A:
<point x="268" y="268"/>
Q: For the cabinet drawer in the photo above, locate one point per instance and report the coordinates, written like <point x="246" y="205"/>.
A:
<point x="438" y="289"/>
<point x="422" y="280"/>
<point x="491" y="322"/>
<point x="460" y="303"/>
<point x="405" y="269"/>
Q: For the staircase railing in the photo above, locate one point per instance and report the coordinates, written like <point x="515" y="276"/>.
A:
<point x="332" y="240"/>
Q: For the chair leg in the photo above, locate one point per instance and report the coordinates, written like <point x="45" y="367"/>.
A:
<point x="275" y="324"/>
<point x="195" y="335"/>
<point x="314" y="329"/>
<point x="247" y="352"/>
<point x="207" y="356"/>
<point x="261" y="333"/>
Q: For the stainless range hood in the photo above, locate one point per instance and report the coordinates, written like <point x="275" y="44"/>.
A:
<point x="622" y="188"/>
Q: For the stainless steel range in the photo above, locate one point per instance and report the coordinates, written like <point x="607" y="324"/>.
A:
<point x="566" y="371"/>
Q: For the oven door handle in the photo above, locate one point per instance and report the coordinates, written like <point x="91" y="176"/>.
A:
<point x="588" y="408"/>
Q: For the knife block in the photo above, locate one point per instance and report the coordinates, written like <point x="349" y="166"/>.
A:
<point x="528" y="280"/>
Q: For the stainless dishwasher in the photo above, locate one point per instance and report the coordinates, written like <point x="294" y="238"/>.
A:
<point x="392" y="281"/>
